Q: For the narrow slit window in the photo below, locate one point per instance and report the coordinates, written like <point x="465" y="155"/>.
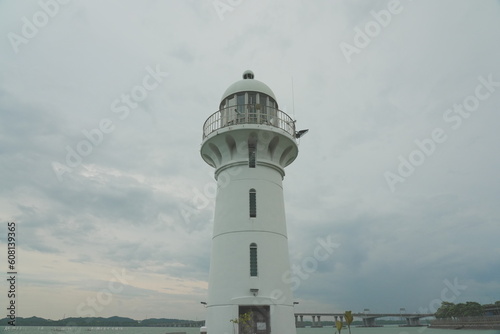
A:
<point x="252" y="150"/>
<point x="253" y="203"/>
<point x="251" y="156"/>
<point x="253" y="259"/>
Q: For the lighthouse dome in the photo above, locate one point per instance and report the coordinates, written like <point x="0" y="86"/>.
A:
<point x="248" y="102"/>
<point x="248" y="84"/>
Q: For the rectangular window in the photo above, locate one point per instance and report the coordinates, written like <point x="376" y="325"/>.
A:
<point x="253" y="203"/>
<point x="253" y="259"/>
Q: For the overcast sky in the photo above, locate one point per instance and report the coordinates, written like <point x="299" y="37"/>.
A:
<point x="101" y="111"/>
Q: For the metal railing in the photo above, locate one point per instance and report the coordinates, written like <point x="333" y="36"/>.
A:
<point x="248" y="114"/>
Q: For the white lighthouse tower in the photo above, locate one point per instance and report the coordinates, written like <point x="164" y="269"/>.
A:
<point x="249" y="142"/>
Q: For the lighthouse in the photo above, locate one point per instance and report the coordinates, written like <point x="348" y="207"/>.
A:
<point x="249" y="141"/>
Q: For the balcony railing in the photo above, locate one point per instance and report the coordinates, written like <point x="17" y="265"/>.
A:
<point x="248" y="114"/>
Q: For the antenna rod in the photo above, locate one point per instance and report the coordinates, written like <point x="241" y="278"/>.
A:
<point x="293" y="100"/>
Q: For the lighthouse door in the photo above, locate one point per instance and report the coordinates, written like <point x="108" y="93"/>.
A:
<point x="260" y="320"/>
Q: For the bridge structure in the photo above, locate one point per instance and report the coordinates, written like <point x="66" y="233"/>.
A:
<point x="412" y="320"/>
<point x="184" y="324"/>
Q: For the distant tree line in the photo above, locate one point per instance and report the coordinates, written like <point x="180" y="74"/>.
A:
<point x="96" y="321"/>
<point x="467" y="309"/>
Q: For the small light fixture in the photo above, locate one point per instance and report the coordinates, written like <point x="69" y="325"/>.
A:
<point x="300" y="133"/>
<point x="254" y="291"/>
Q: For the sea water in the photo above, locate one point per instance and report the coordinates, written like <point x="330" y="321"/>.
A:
<point x="191" y="330"/>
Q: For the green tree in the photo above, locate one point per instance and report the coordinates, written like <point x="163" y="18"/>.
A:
<point x="459" y="310"/>
<point x="339" y="325"/>
<point x="445" y="310"/>
<point x="348" y="319"/>
<point x="245" y="323"/>
<point x="473" y="309"/>
<point x="467" y="309"/>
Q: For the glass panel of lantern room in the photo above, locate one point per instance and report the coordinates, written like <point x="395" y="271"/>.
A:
<point x="271" y="103"/>
<point x="252" y="113"/>
<point x="252" y="98"/>
<point x="263" y="108"/>
<point x="231" y="101"/>
<point x="223" y="104"/>
<point x="224" y="116"/>
<point x="229" y="113"/>
<point x="240" y="107"/>
<point x="273" y="119"/>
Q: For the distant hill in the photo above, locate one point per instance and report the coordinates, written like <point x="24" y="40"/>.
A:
<point x="96" y="322"/>
<point x="33" y="321"/>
